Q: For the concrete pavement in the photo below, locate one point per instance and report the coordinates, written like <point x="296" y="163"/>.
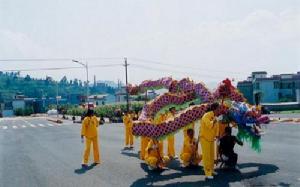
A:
<point x="36" y="152"/>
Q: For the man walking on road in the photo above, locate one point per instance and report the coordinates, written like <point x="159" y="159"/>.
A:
<point x="89" y="131"/>
<point x="128" y="123"/>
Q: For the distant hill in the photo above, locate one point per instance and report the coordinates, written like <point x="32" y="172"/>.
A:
<point x="12" y="84"/>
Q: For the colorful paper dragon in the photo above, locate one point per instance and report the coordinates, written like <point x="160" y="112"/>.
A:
<point x="180" y="94"/>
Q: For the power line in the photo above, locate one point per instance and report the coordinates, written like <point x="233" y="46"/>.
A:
<point x="106" y="65"/>
<point x="186" y="67"/>
<point x="60" y="68"/>
<point x="41" y="69"/>
<point x="56" y="59"/>
<point x="174" y="71"/>
<point x="34" y="59"/>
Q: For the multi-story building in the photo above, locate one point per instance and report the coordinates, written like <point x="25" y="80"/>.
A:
<point x="259" y="88"/>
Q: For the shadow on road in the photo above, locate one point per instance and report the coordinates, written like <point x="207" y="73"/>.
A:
<point x="82" y="170"/>
<point x="223" y="179"/>
<point x="127" y="152"/>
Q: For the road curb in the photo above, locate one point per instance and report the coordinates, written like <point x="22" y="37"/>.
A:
<point x="55" y="120"/>
<point x="285" y="120"/>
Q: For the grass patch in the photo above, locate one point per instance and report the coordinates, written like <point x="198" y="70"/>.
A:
<point x="290" y="112"/>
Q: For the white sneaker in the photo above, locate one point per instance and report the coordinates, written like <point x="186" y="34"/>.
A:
<point x="209" y="177"/>
<point x="215" y="173"/>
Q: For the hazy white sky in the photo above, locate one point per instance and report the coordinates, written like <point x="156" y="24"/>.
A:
<point x="207" y="40"/>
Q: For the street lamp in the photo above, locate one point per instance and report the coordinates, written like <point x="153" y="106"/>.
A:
<point x="85" y="65"/>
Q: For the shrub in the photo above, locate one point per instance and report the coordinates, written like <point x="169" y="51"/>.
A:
<point x="24" y="112"/>
<point x="19" y="112"/>
<point x="107" y="110"/>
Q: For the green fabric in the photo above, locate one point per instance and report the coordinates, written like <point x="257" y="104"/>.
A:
<point x="173" y="133"/>
<point x="178" y="107"/>
<point x="254" y="141"/>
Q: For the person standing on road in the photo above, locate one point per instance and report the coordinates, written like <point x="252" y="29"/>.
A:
<point x="189" y="154"/>
<point x="161" y="119"/>
<point x="171" y="138"/>
<point x="89" y="131"/>
<point x="128" y="122"/>
<point x="208" y="133"/>
<point x="153" y="156"/>
<point x="190" y="126"/>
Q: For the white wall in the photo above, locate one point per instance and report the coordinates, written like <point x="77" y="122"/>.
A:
<point x="298" y="95"/>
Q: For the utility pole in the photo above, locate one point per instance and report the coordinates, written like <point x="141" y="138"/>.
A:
<point x="87" y="83"/>
<point x="127" y="94"/>
<point x="86" y="66"/>
<point x="57" y="100"/>
<point x="146" y="96"/>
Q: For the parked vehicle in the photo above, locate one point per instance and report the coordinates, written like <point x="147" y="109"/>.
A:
<point x="52" y="112"/>
<point x="265" y="110"/>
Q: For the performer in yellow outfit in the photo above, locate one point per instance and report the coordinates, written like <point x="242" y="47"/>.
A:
<point x="128" y="122"/>
<point x="153" y="157"/>
<point x="89" y="131"/>
<point x="190" y="126"/>
<point x="208" y="133"/>
<point x="189" y="154"/>
<point x="144" y="144"/>
<point x="171" y="138"/>
<point x="162" y="118"/>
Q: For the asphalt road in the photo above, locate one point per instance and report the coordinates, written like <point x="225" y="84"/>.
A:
<point x="36" y="152"/>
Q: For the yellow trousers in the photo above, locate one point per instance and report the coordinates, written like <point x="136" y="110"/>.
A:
<point x="208" y="156"/>
<point x="161" y="147"/>
<point x="144" y="143"/>
<point x="184" y="134"/>
<point x="152" y="161"/>
<point x="88" y="142"/>
<point x="171" y="146"/>
<point x="128" y="136"/>
<point x="187" y="159"/>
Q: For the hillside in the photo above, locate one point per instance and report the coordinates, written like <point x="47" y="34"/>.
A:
<point x="12" y="84"/>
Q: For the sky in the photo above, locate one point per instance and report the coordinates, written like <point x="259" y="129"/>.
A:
<point x="207" y="40"/>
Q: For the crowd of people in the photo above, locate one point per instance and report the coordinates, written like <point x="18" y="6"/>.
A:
<point x="152" y="151"/>
<point x="212" y="132"/>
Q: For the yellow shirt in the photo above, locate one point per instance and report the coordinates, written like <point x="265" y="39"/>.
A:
<point x="89" y="127"/>
<point x="170" y="116"/>
<point x="208" y="130"/>
<point x="221" y="128"/>
<point x="160" y="119"/>
<point x="127" y="120"/>
<point x="187" y="145"/>
<point x="189" y="126"/>
<point x="155" y="149"/>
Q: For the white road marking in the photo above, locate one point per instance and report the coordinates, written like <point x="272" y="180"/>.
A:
<point x="14" y="127"/>
<point x="49" y="124"/>
<point x="30" y="124"/>
<point x="41" y="125"/>
<point x="4" y="127"/>
<point x="23" y="126"/>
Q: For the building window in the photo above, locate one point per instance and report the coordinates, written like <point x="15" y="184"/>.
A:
<point x="286" y="85"/>
<point x="257" y="85"/>
<point x="276" y="85"/>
